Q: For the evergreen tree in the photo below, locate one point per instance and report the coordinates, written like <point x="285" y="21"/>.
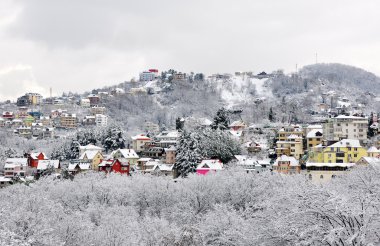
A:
<point x="189" y="153"/>
<point x="370" y="132"/>
<point x="179" y="124"/>
<point x="221" y="120"/>
<point x="271" y="115"/>
<point x="113" y="138"/>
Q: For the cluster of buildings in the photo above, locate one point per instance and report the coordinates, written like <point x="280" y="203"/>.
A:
<point x="325" y="151"/>
<point x="31" y="119"/>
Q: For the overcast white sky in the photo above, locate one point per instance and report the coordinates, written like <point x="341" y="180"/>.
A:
<point x="77" y="45"/>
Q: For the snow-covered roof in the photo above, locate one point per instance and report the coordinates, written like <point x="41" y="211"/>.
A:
<point x="90" y="147"/>
<point x="284" y="158"/>
<point x="90" y="154"/>
<point x="314" y="127"/>
<point x="349" y="117"/>
<point x="144" y="159"/>
<point x="36" y="154"/>
<point x="4" y="179"/>
<point x="236" y="133"/>
<point x="371" y="160"/>
<point x="168" y="134"/>
<point x="126" y="153"/>
<point x="238" y="123"/>
<point x="164" y="167"/>
<point x="373" y="149"/>
<point x="44" y="164"/>
<point x="140" y="137"/>
<point x="353" y="143"/>
<point x="322" y="164"/>
<point x="12" y="162"/>
<point x="205" y="122"/>
<point x="211" y="164"/>
<point x="312" y="133"/>
<point x="293" y="136"/>
<point x="171" y="148"/>
<point x="82" y="166"/>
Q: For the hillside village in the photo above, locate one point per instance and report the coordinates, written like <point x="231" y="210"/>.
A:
<point x="335" y="134"/>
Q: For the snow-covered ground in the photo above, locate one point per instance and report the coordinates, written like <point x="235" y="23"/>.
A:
<point x="240" y="89"/>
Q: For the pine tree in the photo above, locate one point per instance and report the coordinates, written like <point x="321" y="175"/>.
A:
<point x="370" y="132"/>
<point x="271" y="115"/>
<point x="113" y="138"/>
<point x="221" y="120"/>
<point x="179" y="124"/>
<point x="189" y="153"/>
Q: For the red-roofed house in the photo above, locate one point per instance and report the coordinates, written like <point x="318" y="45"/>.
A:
<point x="139" y="141"/>
<point x="207" y="166"/>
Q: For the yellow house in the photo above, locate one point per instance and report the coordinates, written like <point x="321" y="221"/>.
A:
<point x="94" y="157"/>
<point x="314" y="137"/>
<point x="373" y="152"/>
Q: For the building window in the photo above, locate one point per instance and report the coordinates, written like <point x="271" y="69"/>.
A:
<point x="310" y="176"/>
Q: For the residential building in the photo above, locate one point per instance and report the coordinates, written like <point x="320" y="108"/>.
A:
<point x="238" y="125"/>
<point x="114" y="165"/>
<point x="287" y="165"/>
<point x="147" y="76"/>
<point x="98" y="110"/>
<point x="44" y="165"/>
<point x="125" y="155"/>
<point x="139" y="141"/>
<point x="89" y="120"/>
<point x="94" y="157"/>
<point x="170" y="154"/>
<point x="209" y="166"/>
<point x="179" y="76"/>
<point x="373" y="152"/>
<point x="83" y="149"/>
<point x="34" y="158"/>
<point x="344" y="151"/>
<point x="101" y="120"/>
<point x="167" y="138"/>
<point x="150" y="127"/>
<point x="68" y="121"/>
<point x="85" y="102"/>
<point x="4" y="182"/>
<point x="324" y="172"/>
<point x="286" y="131"/>
<point x="94" y="100"/>
<point x="292" y="146"/>
<point x="16" y="167"/>
<point x="345" y="127"/>
<point x="365" y="161"/>
<point x="77" y="167"/>
<point x="314" y="137"/>
<point x="7" y="115"/>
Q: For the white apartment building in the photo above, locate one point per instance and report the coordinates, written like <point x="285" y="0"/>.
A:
<point x="147" y="76"/>
<point x="346" y="127"/>
<point x="101" y="120"/>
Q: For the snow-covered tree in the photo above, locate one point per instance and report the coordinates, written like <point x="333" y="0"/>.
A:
<point x="221" y="120"/>
<point x="189" y="153"/>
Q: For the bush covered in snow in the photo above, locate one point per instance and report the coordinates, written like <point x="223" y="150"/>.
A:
<point x="227" y="208"/>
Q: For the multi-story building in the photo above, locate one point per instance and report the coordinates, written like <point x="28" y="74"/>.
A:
<point x="285" y="132"/>
<point x="98" y="110"/>
<point x="151" y="127"/>
<point x="147" y="76"/>
<point x="345" y="127"/>
<point x="139" y="141"/>
<point x="286" y="165"/>
<point x="94" y="100"/>
<point x="314" y="137"/>
<point x="15" y="167"/>
<point x="101" y="120"/>
<point x="292" y="146"/>
<point x="68" y="121"/>
<point x="344" y="151"/>
<point x="323" y="172"/>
